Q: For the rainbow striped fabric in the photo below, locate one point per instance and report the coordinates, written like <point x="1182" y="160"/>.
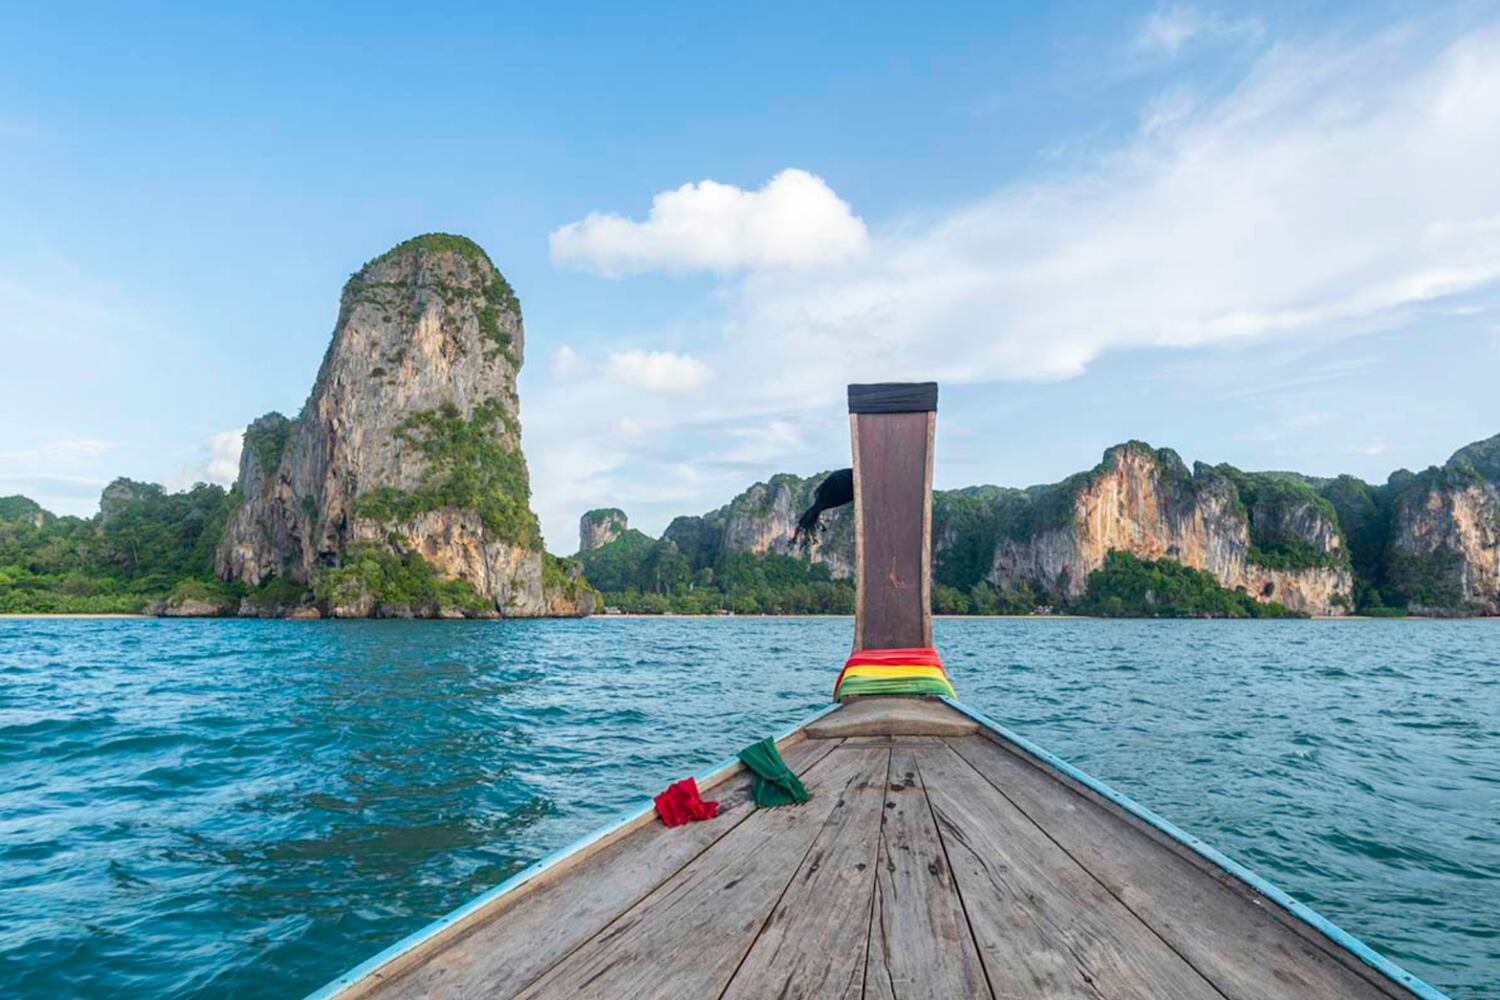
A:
<point x="893" y="671"/>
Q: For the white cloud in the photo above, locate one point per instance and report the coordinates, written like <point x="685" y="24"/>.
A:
<point x="659" y="371"/>
<point x="1329" y="189"/>
<point x="1167" y="29"/>
<point x="218" y="462"/>
<point x="1337" y="190"/>
<point x="566" y="362"/>
<point x="1167" y="110"/>
<point x="223" y="464"/>
<point x="763" y="442"/>
<point x="794" y="220"/>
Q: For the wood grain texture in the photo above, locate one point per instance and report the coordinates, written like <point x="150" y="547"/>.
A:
<point x="920" y="944"/>
<point x="1223" y="931"/>
<point x="927" y="533"/>
<point x="892" y="500"/>
<point x="1044" y="926"/>
<point x="687" y="937"/>
<point x="985" y="874"/>
<point x="544" y="922"/>
<point x="859" y="537"/>
<point x="891" y="715"/>
<point x="813" y="944"/>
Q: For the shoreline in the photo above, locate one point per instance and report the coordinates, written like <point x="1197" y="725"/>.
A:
<point x="24" y="615"/>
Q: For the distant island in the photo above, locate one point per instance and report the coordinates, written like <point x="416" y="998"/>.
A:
<point x="400" y="490"/>
<point x="1139" y="534"/>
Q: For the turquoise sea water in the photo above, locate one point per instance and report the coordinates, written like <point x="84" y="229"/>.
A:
<point x="246" y="808"/>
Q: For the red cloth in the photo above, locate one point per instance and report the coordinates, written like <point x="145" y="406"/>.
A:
<point x="924" y="656"/>
<point x="681" y="803"/>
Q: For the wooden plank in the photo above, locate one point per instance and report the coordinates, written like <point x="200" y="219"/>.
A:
<point x="546" y="920"/>
<point x="859" y="536"/>
<point x="890" y="490"/>
<point x="1225" y="932"/>
<point x="920" y="943"/>
<point x="689" y="935"/>
<point x="814" y="943"/>
<point x="927" y="532"/>
<point x="890" y="715"/>
<point x="1044" y="926"/>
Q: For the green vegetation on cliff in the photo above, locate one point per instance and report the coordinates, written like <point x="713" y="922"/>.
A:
<point x="460" y="246"/>
<point x="373" y="573"/>
<point x="1388" y="579"/>
<point x="1281" y="508"/>
<point x="620" y="565"/>
<point x="474" y="464"/>
<point x="144" y="542"/>
<point x="494" y="296"/>
<point x="1144" y="588"/>
<point x="982" y="599"/>
<point x="967" y="523"/>
<point x="148" y="545"/>
<point x="639" y="575"/>
<point x="565" y="577"/>
<point x="266" y="438"/>
<point x="745" y="583"/>
<point x="1424" y="581"/>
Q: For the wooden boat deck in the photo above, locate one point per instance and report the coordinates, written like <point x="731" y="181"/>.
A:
<point x="933" y="860"/>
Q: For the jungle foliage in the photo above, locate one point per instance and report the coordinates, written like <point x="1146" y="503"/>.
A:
<point x="142" y="544"/>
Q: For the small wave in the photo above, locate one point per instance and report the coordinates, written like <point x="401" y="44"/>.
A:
<point x="249" y="810"/>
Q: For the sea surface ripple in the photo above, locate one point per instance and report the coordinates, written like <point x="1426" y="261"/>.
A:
<point x="246" y="808"/>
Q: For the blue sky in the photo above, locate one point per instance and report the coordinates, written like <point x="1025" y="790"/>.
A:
<point x="1268" y="236"/>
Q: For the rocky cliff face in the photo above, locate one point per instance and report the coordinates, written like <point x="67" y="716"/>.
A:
<point x="119" y="495"/>
<point x="1444" y="549"/>
<point x="17" y="509"/>
<point x="598" y="528"/>
<point x="1427" y="543"/>
<point x="1277" y="540"/>
<point x="1270" y="534"/>
<point x="1145" y="502"/>
<point x="409" y="442"/>
<point x="762" y="521"/>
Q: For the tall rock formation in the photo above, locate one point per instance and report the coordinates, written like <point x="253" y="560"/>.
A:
<point x="1271" y="534"/>
<point x="1444" y="549"/>
<point x="1425" y="543"/>
<point x="598" y="528"/>
<point x="763" y="521"/>
<point x="1267" y="533"/>
<point x="408" y="446"/>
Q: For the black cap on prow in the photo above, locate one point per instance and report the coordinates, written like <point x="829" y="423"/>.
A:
<point x="893" y="397"/>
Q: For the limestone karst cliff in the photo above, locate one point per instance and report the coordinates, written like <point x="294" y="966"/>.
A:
<point x="405" y="462"/>
<point x="1444" y="551"/>
<point x="1270" y="535"/>
<point x="600" y="527"/>
<point x="1276" y="539"/>
<point x="1427" y="543"/>
<point x="762" y="521"/>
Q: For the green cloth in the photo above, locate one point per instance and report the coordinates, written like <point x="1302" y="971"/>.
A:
<point x="774" y="784"/>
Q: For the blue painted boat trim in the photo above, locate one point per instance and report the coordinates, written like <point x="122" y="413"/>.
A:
<point x="1348" y="942"/>
<point x="521" y="877"/>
